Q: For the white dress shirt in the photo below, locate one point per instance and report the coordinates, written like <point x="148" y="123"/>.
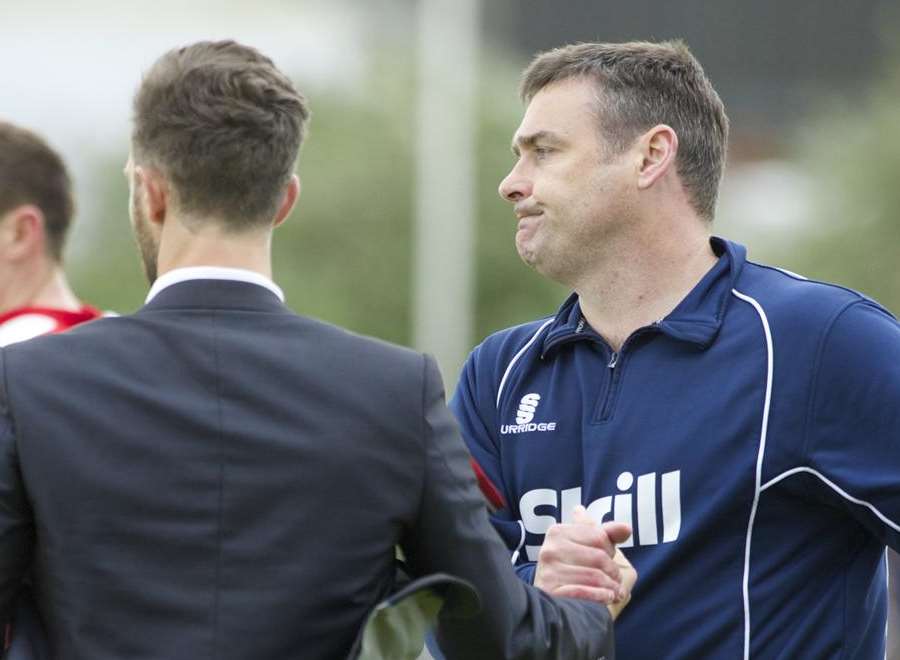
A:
<point x="212" y="273"/>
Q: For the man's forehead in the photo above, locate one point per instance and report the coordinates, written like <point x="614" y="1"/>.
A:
<point x="559" y="107"/>
<point x="572" y="89"/>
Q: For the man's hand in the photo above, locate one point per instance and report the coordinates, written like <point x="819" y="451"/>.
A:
<point x="629" y="577"/>
<point x="580" y="560"/>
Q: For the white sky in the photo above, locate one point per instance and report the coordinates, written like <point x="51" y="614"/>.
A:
<point x="69" y="69"/>
<point x="70" y="73"/>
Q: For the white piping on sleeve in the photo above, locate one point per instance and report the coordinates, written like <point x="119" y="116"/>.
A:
<point x="516" y="358"/>
<point x="791" y="273"/>
<point x="759" y="462"/>
<point x="840" y="491"/>
<point x="515" y="554"/>
<point x="887" y="619"/>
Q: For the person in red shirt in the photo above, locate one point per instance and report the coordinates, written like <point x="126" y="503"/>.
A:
<point x="36" y="209"/>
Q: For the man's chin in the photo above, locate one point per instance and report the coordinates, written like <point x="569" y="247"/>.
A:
<point x="544" y="267"/>
<point x="526" y="252"/>
<point x="530" y="257"/>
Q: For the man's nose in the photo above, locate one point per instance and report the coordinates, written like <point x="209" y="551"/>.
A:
<point x="515" y="186"/>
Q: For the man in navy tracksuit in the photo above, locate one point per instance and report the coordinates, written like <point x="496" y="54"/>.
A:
<point x="745" y="421"/>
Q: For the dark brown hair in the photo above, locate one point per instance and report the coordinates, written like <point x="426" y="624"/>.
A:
<point x="642" y="84"/>
<point x="32" y="173"/>
<point x="224" y="126"/>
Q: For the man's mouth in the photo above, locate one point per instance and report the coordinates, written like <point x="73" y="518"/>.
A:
<point x="526" y="219"/>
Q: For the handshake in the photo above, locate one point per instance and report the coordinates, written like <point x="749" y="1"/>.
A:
<point x="581" y="560"/>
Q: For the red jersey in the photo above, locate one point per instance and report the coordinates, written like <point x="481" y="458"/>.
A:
<point x="27" y="322"/>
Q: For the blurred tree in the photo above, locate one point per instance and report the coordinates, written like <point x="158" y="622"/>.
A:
<point x="853" y="154"/>
<point x="345" y="254"/>
<point x="107" y="271"/>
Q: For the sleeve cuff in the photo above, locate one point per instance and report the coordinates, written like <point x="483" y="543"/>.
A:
<point x="526" y="572"/>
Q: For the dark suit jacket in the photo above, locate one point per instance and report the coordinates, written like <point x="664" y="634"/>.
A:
<point x="217" y="477"/>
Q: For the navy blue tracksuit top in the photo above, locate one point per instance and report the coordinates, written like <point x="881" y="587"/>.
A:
<point x="751" y="438"/>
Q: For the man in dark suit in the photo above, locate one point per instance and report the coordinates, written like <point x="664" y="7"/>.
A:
<point x="217" y="477"/>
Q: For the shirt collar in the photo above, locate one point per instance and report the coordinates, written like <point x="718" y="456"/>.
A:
<point x="212" y="273"/>
<point x="696" y="319"/>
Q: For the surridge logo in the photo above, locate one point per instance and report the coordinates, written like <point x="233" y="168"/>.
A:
<point x="527" y="407"/>
<point x="525" y="423"/>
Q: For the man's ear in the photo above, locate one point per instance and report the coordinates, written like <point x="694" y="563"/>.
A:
<point x="291" y="195"/>
<point x="22" y="232"/>
<point x="155" y="194"/>
<point x="659" y="148"/>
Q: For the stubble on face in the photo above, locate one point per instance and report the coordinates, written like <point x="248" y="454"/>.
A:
<point x="578" y="193"/>
<point x="147" y="245"/>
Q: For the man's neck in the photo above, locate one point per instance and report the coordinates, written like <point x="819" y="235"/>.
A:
<point x="211" y="247"/>
<point x="643" y="284"/>
<point x="41" y="286"/>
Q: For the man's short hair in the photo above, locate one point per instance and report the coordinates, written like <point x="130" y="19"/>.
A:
<point x="32" y="173"/>
<point x="224" y="126"/>
<point x="642" y="84"/>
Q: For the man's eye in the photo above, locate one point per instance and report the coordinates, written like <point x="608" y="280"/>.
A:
<point x="540" y="152"/>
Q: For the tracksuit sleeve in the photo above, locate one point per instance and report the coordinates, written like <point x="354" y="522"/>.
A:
<point x="452" y="534"/>
<point x="475" y="409"/>
<point x="853" y="430"/>
<point x="16" y="528"/>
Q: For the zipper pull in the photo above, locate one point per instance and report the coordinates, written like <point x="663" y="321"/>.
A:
<point x="613" y="360"/>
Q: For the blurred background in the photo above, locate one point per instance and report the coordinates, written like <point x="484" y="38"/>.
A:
<point x="399" y="232"/>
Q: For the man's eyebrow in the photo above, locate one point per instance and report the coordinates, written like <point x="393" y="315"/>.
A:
<point x="531" y="139"/>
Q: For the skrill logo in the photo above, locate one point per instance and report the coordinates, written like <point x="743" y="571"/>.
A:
<point x="637" y="509"/>
<point x="524" y="416"/>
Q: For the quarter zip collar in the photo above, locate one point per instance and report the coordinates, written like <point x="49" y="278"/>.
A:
<point x="696" y="319"/>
